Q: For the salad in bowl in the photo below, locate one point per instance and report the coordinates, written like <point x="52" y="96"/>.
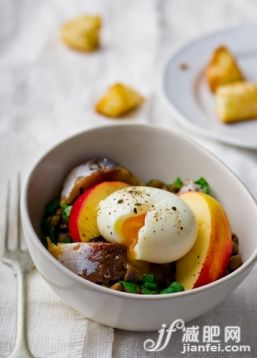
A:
<point x="134" y="226"/>
<point x="145" y="237"/>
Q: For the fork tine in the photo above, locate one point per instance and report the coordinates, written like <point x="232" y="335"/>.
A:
<point x="18" y="211"/>
<point x="7" y="211"/>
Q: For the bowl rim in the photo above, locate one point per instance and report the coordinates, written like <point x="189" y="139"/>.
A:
<point x="105" y="290"/>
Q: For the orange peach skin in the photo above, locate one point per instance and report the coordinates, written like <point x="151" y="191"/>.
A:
<point x="208" y="260"/>
<point x="82" y="221"/>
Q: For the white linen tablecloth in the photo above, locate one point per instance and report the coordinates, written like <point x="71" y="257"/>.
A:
<point x="47" y="93"/>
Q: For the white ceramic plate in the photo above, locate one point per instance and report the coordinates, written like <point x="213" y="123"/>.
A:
<point x="186" y="91"/>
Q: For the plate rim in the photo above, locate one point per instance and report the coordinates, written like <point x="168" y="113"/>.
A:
<point x="177" y="115"/>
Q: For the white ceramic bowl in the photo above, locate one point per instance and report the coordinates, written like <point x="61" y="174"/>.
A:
<point x="149" y="152"/>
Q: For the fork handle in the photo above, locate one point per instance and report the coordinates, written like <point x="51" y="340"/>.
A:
<point x="21" y="346"/>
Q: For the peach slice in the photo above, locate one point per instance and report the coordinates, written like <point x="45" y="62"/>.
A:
<point x="82" y="221"/>
<point x="208" y="259"/>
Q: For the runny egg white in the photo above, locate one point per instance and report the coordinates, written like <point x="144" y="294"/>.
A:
<point x="155" y="225"/>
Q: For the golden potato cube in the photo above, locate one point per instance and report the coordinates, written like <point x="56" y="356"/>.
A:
<point x="222" y="69"/>
<point x="82" y="33"/>
<point x="118" y="100"/>
<point x="237" y="102"/>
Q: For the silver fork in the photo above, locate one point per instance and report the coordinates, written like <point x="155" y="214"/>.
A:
<point x="21" y="263"/>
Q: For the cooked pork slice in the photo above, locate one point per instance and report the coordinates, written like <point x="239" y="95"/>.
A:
<point x="98" y="262"/>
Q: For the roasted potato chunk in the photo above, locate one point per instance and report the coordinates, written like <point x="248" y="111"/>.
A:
<point x="237" y="102"/>
<point x="222" y="69"/>
<point x="82" y="33"/>
<point x="118" y="100"/>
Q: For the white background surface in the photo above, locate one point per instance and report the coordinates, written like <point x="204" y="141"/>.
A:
<point x="47" y="92"/>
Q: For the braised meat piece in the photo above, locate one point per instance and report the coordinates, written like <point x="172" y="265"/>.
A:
<point x="92" y="172"/>
<point x="133" y="274"/>
<point x="110" y="260"/>
<point x="98" y="262"/>
<point x="164" y="273"/>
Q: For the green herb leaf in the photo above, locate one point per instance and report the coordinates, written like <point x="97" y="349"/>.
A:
<point x="178" y="183"/>
<point x="48" y="230"/>
<point x="176" y="286"/>
<point x="172" y="288"/>
<point x="165" y="290"/>
<point x="149" y="182"/>
<point x="149" y="281"/>
<point x="130" y="287"/>
<point x="64" y="239"/>
<point x="150" y="285"/>
<point x="204" y="185"/>
<point x="66" y="212"/>
<point x="146" y="291"/>
<point x="52" y="206"/>
<point x="149" y="277"/>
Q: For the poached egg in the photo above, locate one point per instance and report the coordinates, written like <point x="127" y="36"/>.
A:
<point x="155" y="225"/>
